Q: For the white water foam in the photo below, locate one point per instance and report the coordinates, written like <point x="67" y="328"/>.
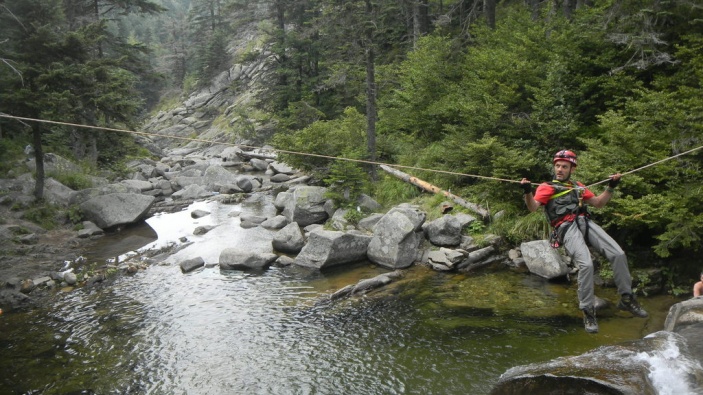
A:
<point x="670" y="369"/>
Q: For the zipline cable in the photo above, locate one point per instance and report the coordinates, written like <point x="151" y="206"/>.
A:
<point x="3" y="115"/>
<point x="650" y="165"/>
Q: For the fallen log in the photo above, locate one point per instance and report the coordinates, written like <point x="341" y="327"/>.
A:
<point x="250" y="155"/>
<point x="485" y="214"/>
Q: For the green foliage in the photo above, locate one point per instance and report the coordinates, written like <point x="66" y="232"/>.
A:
<point x="43" y="215"/>
<point x="389" y="191"/>
<point x="353" y="216"/>
<point x="532" y="226"/>
<point x="11" y="152"/>
<point x="75" y="215"/>
<point x="324" y="138"/>
<point x="346" y="182"/>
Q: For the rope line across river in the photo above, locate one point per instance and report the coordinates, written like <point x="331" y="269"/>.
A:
<point x="3" y="115"/>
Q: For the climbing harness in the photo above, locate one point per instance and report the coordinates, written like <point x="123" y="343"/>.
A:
<point x="565" y="208"/>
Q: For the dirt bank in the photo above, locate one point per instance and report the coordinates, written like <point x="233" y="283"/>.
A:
<point x="29" y="252"/>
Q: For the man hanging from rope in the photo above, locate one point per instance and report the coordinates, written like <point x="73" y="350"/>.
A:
<point x="566" y="204"/>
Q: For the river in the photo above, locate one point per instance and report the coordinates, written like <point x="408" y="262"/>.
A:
<point x="275" y="332"/>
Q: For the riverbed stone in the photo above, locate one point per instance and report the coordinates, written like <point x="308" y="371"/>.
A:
<point x="199" y="213"/>
<point x="444" y="231"/>
<point x="116" y="209"/>
<point x="70" y="278"/>
<point x="289" y="239"/>
<point x="306" y="205"/>
<point x="277" y="222"/>
<point x="543" y="260"/>
<point x="397" y="236"/>
<point x="203" y="229"/>
<point x="191" y="264"/>
<point x="326" y="249"/>
<point x="237" y="259"/>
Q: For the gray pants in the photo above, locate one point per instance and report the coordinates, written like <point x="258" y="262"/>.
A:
<point x="575" y="244"/>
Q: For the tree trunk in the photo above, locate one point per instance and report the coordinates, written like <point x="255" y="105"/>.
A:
<point x="534" y="6"/>
<point x="39" y="161"/>
<point x="489" y="8"/>
<point x="370" y="91"/>
<point x="431" y="188"/>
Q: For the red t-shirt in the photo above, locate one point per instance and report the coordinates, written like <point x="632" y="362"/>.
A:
<point x="545" y="191"/>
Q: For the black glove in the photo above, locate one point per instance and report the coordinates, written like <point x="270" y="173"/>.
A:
<point x="613" y="183"/>
<point x="527" y="187"/>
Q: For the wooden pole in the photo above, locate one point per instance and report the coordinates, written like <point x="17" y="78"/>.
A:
<point x="431" y="188"/>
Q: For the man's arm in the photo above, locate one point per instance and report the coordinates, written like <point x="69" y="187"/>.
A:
<point x="530" y="201"/>
<point x="603" y="199"/>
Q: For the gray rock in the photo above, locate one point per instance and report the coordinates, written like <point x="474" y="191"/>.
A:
<point x="289" y="239"/>
<point x="139" y="185"/>
<point x="543" y="260"/>
<point x="192" y="191"/>
<point x="84" y="195"/>
<point x="276" y="222"/>
<point x="326" y="249"/>
<point x="201" y="230"/>
<point x="90" y="229"/>
<point x="199" y="213"/>
<point x="367" y="203"/>
<point x="191" y="264"/>
<point x="306" y="206"/>
<point x="57" y="193"/>
<point x="254" y="219"/>
<point x="282" y="199"/>
<point x="233" y="258"/>
<point x="259" y="164"/>
<point x="278" y="178"/>
<point x="70" y="278"/>
<point x="444" y="231"/>
<point x="684" y="313"/>
<point x="397" y="237"/>
<point x="369" y="222"/>
<point x="116" y="209"/>
<point x="619" y="369"/>
<point x="245" y="184"/>
<point x="281" y="168"/>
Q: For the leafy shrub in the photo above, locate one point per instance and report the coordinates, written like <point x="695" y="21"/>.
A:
<point x="43" y="215"/>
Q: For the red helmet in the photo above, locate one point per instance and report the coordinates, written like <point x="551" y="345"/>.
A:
<point x="566" y="155"/>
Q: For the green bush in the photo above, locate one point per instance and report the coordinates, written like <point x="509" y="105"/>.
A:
<point x="43" y="215"/>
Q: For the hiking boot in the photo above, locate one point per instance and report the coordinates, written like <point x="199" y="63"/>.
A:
<point x="589" y="319"/>
<point x="628" y="302"/>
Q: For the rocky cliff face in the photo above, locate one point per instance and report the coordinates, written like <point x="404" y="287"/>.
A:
<point x="222" y="110"/>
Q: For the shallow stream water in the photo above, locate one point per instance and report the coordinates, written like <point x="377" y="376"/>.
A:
<point x="231" y="332"/>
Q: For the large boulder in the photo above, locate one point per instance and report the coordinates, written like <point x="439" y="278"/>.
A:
<point x="306" y="205"/>
<point x="659" y="363"/>
<point x="57" y="193"/>
<point x="327" y="248"/>
<point x="444" y="231"/>
<point x="686" y="319"/>
<point x="84" y="195"/>
<point x="397" y="236"/>
<point x="116" y="209"/>
<point x="217" y="176"/>
<point x="290" y="239"/>
<point x="234" y="258"/>
<point x="543" y="260"/>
